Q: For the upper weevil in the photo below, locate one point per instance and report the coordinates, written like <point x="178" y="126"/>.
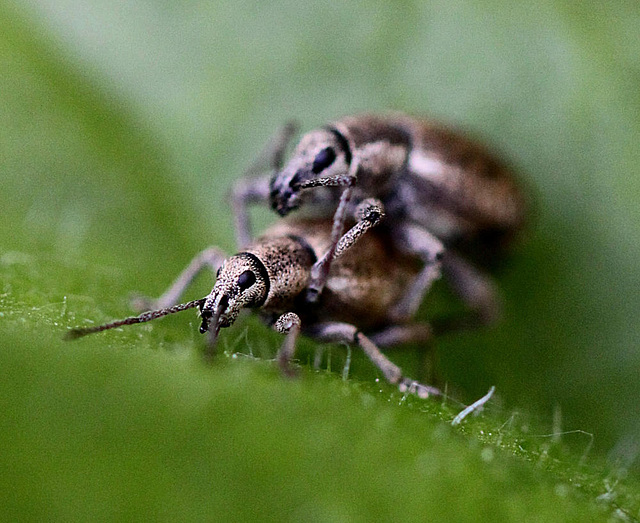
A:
<point x="272" y="273"/>
<point x="444" y="195"/>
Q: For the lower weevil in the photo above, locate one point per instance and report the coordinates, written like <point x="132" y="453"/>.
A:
<point x="366" y="279"/>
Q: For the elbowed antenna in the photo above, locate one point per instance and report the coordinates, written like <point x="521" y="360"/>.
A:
<point x="79" y="332"/>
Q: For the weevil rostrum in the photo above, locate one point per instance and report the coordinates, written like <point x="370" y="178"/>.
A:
<point x="272" y="273"/>
<point x="447" y="197"/>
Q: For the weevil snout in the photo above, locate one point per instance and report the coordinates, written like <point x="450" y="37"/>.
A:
<point x="320" y="153"/>
<point x="242" y="282"/>
<point x="285" y="191"/>
<point x="211" y="314"/>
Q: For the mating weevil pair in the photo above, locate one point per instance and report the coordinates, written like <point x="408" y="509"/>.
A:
<point x="443" y="194"/>
<point x="440" y="191"/>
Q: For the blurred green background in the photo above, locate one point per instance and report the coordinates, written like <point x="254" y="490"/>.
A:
<point x="123" y="125"/>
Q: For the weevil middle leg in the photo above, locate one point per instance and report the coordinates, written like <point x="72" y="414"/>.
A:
<point x="347" y="333"/>
<point x="289" y="324"/>
<point x="211" y="258"/>
<point x="401" y="334"/>
<point x="419" y="242"/>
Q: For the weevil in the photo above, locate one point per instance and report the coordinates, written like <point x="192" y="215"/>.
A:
<point x="272" y="273"/>
<point x="446" y="197"/>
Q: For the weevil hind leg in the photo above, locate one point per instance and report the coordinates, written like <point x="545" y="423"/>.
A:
<point x="251" y="189"/>
<point x="476" y="289"/>
<point x="347" y="333"/>
<point x="417" y="241"/>
<point x="412" y="333"/>
<point x="211" y="258"/>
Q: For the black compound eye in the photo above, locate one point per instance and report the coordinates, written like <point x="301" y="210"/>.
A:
<point x="246" y="280"/>
<point x="323" y="160"/>
<point x="295" y="181"/>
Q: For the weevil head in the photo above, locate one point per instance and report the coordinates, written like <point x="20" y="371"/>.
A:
<point x="242" y="282"/>
<point x="323" y="152"/>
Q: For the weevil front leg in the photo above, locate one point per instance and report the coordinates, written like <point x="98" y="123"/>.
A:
<point x="347" y="333"/>
<point x="249" y="189"/>
<point x="368" y="215"/>
<point x="289" y="324"/>
<point x="271" y="158"/>
<point x="419" y="242"/>
<point x="211" y="258"/>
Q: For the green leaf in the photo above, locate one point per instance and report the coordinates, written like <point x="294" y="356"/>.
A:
<point x="122" y="127"/>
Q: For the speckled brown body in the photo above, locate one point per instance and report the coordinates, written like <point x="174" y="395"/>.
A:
<point x="446" y="198"/>
<point x="422" y="171"/>
<point x="440" y="199"/>
<point x="362" y="286"/>
<point x="271" y="275"/>
<point x="438" y="177"/>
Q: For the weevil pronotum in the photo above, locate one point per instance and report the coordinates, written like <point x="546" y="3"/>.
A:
<point x="272" y="274"/>
<point x="443" y="193"/>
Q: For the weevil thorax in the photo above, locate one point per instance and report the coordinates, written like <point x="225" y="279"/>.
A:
<point x="287" y="259"/>
<point x="380" y="147"/>
<point x="270" y="274"/>
<point x="321" y="152"/>
<point x="242" y="282"/>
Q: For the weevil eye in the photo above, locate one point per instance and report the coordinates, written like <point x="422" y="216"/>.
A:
<point x="295" y="181"/>
<point x="246" y="280"/>
<point x="323" y="160"/>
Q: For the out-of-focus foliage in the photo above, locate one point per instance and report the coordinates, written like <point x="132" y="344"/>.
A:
<point x="122" y="126"/>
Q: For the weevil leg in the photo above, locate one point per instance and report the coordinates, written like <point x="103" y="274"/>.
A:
<point x="271" y="158"/>
<point x="417" y="241"/>
<point x="399" y="334"/>
<point x="244" y="192"/>
<point x="289" y="324"/>
<point x="320" y="270"/>
<point x="368" y="213"/>
<point x="421" y="333"/>
<point x="211" y="257"/>
<point x="347" y="333"/>
<point x="250" y="189"/>
<point x="475" y="288"/>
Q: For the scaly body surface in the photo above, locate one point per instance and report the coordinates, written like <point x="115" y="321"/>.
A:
<point x="363" y="284"/>
<point x="419" y="169"/>
<point x="444" y="195"/>
<point x="272" y="273"/>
